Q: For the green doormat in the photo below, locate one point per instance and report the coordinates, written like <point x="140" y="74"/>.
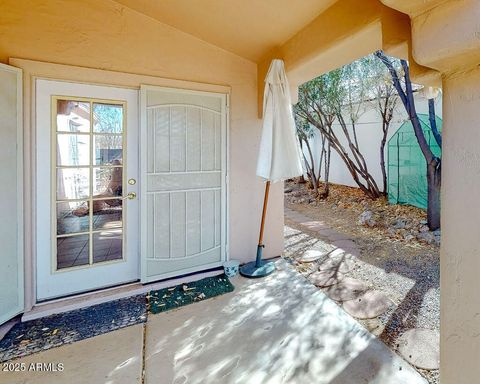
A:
<point x="184" y="294"/>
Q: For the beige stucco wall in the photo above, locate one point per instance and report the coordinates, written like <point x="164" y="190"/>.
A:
<point x="445" y="37"/>
<point x="105" y="35"/>
<point x="460" y="250"/>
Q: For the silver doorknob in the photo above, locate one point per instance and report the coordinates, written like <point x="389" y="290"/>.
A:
<point x="130" y="196"/>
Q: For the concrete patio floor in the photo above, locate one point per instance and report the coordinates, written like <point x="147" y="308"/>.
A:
<point x="280" y="329"/>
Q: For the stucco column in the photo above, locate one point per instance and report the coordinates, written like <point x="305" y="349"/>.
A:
<point x="460" y="249"/>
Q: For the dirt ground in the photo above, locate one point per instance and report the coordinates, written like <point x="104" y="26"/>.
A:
<point x="398" y="255"/>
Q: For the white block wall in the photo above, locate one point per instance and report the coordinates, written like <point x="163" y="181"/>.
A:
<point x="369" y="134"/>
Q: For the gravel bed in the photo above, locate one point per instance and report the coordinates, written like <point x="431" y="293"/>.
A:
<point x="408" y="275"/>
<point x="65" y="328"/>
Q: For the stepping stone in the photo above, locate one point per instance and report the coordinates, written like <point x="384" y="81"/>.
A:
<point x="325" y="278"/>
<point x="315" y="225"/>
<point x="421" y="348"/>
<point x="368" y="305"/>
<point x="311" y="255"/>
<point x="347" y="289"/>
<point x="345" y="244"/>
<point x="338" y="264"/>
<point x="338" y="252"/>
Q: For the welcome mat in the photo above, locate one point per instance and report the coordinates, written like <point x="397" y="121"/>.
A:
<point x="188" y="293"/>
<point x="64" y="328"/>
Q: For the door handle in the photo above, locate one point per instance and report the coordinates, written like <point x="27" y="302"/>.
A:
<point x="130" y="196"/>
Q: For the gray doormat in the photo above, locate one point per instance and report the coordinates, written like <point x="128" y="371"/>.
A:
<point x="64" y="328"/>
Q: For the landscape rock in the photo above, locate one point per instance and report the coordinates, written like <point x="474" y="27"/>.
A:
<point x="427" y="237"/>
<point x="424" y="228"/>
<point x="366" y="218"/>
<point x="399" y="224"/>
<point x="288" y="190"/>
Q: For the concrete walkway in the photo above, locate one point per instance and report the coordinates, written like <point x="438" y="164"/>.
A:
<point x="280" y="329"/>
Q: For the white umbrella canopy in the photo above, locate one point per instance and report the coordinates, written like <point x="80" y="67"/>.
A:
<point x="279" y="157"/>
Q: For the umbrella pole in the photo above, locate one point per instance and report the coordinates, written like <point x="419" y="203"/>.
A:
<point x="260" y="268"/>
<point x="262" y="226"/>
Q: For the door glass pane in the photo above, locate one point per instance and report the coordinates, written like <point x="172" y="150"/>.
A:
<point x="107" y="246"/>
<point x="108" y="149"/>
<point x="72" y="217"/>
<point x="107" y="214"/>
<point x="73" y="116"/>
<point x="73" y="150"/>
<point x="72" y="251"/>
<point x="108" y="182"/>
<point x="107" y="118"/>
<point x="89" y="168"/>
<point x="73" y="183"/>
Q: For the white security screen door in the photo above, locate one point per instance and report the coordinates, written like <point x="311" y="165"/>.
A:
<point x="87" y="171"/>
<point x="183" y="189"/>
<point x="11" y="190"/>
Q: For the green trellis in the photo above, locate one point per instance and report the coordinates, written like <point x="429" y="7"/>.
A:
<point x="407" y="168"/>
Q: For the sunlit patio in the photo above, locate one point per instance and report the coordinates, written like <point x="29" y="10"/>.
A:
<point x="279" y="329"/>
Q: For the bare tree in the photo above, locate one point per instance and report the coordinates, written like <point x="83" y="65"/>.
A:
<point x="433" y="162"/>
<point x="333" y="97"/>
<point x="385" y="100"/>
<point x="305" y="133"/>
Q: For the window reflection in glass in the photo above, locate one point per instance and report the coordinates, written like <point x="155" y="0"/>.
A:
<point x="89" y="176"/>
<point x="73" y="116"/>
<point x="73" y="183"/>
<point x="107" y="118"/>
<point x="72" y="217"/>
<point x="108" y="181"/>
<point x="107" y="214"/>
<point x="73" y="150"/>
<point x="108" y="149"/>
<point x="72" y="251"/>
<point x="107" y="246"/>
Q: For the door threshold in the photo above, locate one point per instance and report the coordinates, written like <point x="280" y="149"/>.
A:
<point x="88" y="299"/>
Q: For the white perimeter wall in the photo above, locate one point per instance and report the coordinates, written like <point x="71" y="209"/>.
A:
<point x="369" y="134"/>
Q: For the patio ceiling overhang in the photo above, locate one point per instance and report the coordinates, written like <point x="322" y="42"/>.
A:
<point x="311" y="36"/>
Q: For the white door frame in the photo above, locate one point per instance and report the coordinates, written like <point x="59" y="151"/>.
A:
<point x="20" y="195"/>
<point x="225" y="118"/>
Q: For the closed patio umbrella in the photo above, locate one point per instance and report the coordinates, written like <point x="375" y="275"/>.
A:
<point x="279" y="156"/>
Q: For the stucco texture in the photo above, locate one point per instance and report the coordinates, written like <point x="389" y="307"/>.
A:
<point x="459" y="256"/>
<point x="105" y="35"/>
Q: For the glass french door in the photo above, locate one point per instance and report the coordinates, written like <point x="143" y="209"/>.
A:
<point x="86" y="187"/>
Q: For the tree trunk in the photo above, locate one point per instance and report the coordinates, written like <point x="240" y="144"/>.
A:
<point x="433" y="163"/>
<point x="433" y="122"/>
<point x="310" y="167"/>
<point x="382" y="159"/>
<point x="434" y="178"/>
<point x="326" y="188"/>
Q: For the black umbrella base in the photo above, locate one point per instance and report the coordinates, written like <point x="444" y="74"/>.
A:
<point x="251" y="270"/>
